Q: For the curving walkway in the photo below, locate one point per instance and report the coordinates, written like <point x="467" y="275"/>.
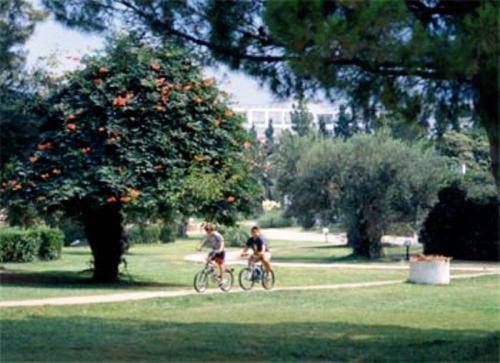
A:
<point x="143" y="295"/>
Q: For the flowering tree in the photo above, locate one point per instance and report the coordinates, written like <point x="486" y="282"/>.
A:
<point x="136" y="129"/>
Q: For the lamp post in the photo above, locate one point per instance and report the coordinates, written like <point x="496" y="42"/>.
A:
<point x="407" y="244"/>
<point x="325" y="233"/>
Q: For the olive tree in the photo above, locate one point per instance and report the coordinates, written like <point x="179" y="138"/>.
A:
<point x="136" y="128"/>
<point x="372" y="181"/>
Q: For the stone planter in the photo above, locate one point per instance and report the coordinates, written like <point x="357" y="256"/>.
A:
<point x="435" y="272"/>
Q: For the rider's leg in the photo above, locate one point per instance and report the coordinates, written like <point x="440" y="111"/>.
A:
<point x="221" y="271"/>
<point x="266" y="262"/>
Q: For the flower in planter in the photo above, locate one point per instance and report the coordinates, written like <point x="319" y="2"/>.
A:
<point x="428" y="258"/>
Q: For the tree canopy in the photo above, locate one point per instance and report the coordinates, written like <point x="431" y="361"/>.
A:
<point x="438" y="58"/>
<point x="138" y="127"/>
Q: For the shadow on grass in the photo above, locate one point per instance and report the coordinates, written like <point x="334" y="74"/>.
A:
<point x="84" y="338"/>
<point x="71" y="280"/>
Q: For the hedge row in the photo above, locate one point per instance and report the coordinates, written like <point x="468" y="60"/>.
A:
<point x="24" y="245"/>
<point x="151" y="233"/>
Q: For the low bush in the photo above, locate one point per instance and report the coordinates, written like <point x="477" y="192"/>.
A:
<point x="462" y="228"/>
<point x="274" y="219"/>
<point x="24" y="245"/>
<point x="144" y="234"/>
<point x="236" y="236"/>
<point x="51" y="241"/>
<point x="168" y="233"/>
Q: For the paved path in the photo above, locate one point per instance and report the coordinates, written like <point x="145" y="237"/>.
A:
<point x="233" y="258"/>
<point x="143" y="295"/>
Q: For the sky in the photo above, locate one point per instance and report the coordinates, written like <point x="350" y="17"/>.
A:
<point x="50" y="37"/>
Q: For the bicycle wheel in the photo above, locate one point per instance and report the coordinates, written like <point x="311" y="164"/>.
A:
<point x="246" y="279"/>
<point x="201" y="281"/>
<point x="268" y="280"/>
<point x="228" y="281"/>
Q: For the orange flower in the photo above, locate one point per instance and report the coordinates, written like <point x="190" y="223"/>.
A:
<point x="229" y="113"/>
<point x="159" y="108"/>
<point x="207" y="82"/>
<point x="56" y="171"/>
<point x="44" y="146"/>
<point x="120" y="169"/>
<point x="111" y="199"/>
<point x="103" y="70"/>
<point x="217" y="121"/>
<point x="85" y="150"/>
<point x="247" y="144"/>
<point x="158" y="167"/>
<point x="33" y="158"/>
<point x="71" y="127"/>
<point x="134" y="193"/>
<point x="230" y="199"/>
<point x="71" y="117"/>
<point x="198" y="100"/>
<point x="45" y="176"/>
<point x="125" y="199"/>
<point x="97" y="81"/>
<point x="160" y="81"/>
<point x="155" y="66"/>
<point x="17" y="186"/>
<point x="187" y="87"/>
<point x="120" y="101"/>
<point x="199" y="158"/>
<point x="102" y="129"/>
<point x="113" y="139"/>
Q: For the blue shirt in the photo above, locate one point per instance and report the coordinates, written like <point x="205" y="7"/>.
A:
<point x="257" y="245"/>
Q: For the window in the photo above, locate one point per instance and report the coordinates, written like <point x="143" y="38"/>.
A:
<point x="258" y="117"/>
<point x="276" y="116"/>
<point x="326" y="117"/>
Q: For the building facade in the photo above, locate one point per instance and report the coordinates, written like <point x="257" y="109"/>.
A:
<point x="280" y="116"/>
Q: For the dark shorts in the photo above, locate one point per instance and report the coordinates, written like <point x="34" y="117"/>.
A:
<point x="219" y="257"/>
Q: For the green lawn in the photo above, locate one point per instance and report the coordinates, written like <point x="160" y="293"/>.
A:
<point x="150" y="267"/>
<point x="402" y="322"/>
<point x="297" y="252"/>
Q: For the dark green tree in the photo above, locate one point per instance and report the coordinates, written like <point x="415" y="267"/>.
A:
<point x="269" y="134"/>
<point x="137" y="128"/>
<point x="301" y="118"/>
<point x="346" y="125"/>
<point x="322" y="130"/>
<point x="444" y="54"/>
<point x="18" y="97"/>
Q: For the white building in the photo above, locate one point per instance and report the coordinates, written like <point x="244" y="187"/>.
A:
<point x="279" y="114"/>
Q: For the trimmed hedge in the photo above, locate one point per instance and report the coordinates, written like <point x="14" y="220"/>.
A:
<point x="24" y="245"/>
<point x="236" y="236"/>
<point x="462" y="228"/>
<point x="168" y="233"/>
<point x="274" y="219"/>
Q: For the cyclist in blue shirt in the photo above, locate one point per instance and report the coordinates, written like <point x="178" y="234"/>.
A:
<point x="260" y="251"/>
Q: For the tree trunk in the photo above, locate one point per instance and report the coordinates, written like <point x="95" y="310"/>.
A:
<point x="365" y="239"/>
<point x="486" y="83"/>
<point x="104" y="231"/>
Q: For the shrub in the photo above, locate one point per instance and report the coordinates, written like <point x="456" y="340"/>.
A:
<point x="50" y="243"/>
<point x="17" y="245"/>
<point x="168" y="232"/>
<point x="462" y="228"/>
<point x="236" y="236"/>
<point x="274" y="219"/>
<point x="24" y="245"/>
<point x="144" y="234"/>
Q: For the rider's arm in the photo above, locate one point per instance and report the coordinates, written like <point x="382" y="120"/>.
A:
<point x="245" y="250"/>
<point x="202" y="244"/>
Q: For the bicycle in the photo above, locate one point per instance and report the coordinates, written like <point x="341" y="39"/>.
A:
<point x="253" y="273"/>
<point x="211" y="272"/>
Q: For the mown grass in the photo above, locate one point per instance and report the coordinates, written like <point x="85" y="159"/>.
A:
<point x="397" y="323"/>
<point x="160" y="266"/>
